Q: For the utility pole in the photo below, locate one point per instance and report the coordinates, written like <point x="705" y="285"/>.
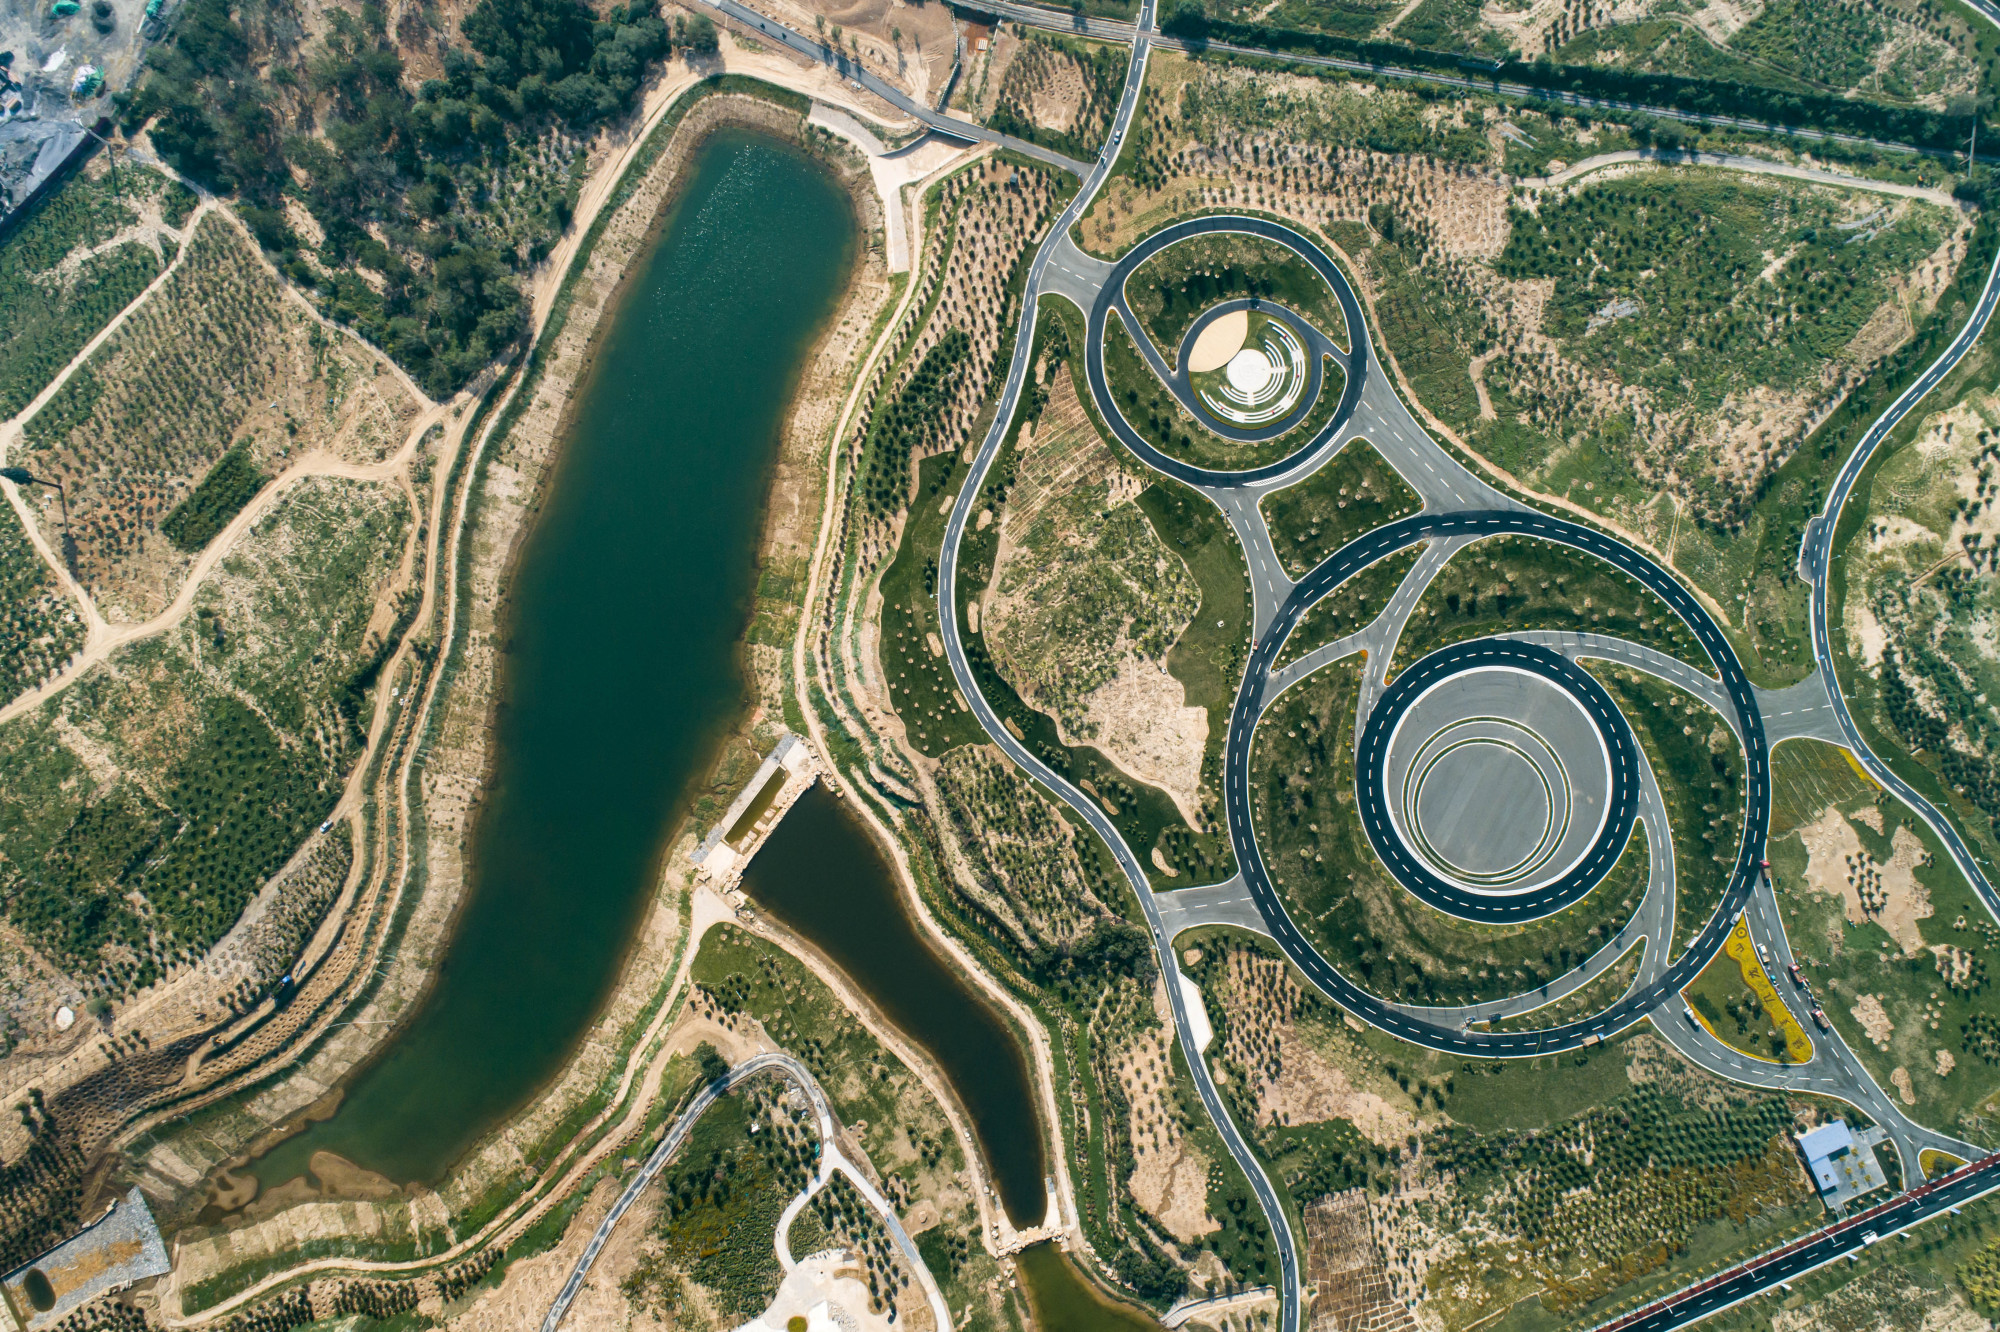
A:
<point x="21" y="476"/>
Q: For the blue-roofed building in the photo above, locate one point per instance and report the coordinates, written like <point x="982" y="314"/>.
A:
<point x="1842" y="1162"/>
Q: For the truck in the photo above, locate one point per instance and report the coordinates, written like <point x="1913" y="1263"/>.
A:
<point x="1798" y="977"/>
<point x="1819" y="1019"/>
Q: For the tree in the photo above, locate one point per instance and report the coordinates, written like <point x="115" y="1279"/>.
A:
<point x="709" y="1060"/>
<point x="1189" y="21"/>
<point x="701" y="37"/>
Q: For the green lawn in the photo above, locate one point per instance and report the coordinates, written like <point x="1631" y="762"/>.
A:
<point x="1363" y="921"/>
<point x="1350" y="606"/>
<point x="1699" y="766"/>
<point x="1510" y="583"/>
<point x="1354" y="493"/>
<point x="1170" y="290"/>
<point x="1160" y="420"/>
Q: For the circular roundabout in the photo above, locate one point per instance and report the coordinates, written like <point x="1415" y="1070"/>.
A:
<point x="1496" y="781"/>
<point x="1250" y="370"/>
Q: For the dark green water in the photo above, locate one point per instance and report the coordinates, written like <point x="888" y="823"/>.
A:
<point x="823" y="875"/>
<point x="1063" y="1300"/>
<point x="621" y="673"/>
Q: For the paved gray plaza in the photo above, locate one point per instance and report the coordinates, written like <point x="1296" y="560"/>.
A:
<point x="1498" y="779"/>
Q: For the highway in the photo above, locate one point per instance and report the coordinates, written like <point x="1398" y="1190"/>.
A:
<point x="1789" y="1262"/>
<point x="1459" y="507"/>
<point x="1113" y="30"/>
<point x="859" y="75"/>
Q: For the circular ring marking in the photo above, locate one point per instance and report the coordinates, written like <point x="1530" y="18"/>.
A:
<point x="1410" y="868"/>
<point x="1542" y="843"/>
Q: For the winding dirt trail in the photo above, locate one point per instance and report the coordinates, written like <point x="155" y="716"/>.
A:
<point x="102" y="637"/>
<point x="1754" y="166"/>
<point x="106" y="638"/>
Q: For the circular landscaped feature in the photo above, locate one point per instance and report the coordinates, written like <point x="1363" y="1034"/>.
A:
<point x="1497" y="781"/>
<point x="1261" y="381"/>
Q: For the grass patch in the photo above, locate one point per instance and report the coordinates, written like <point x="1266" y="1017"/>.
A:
<point x="1736" y="1001"/>
<point x="39" y="627"/>
<point x="1364" y="922"/>
<point x="1354" y="493"/>
<point x="1684" y="254"/>
<point x="1941" y="1036"/>
<point x="214" y="748"/>
<point x="720" y="1198"/>
<point x="1161" y="421"/>
<point x="1043" y="57"/>
<point x="1607" y="989"/>
<point x="1511" y="583"/>
<point x="1699" y="766"/>
<point x="1349" y="607"/>
<point x="928" y="700"/>
<point x="905" y="1133"/>
<point x="1170" y="290"/>
<point x="197" y="520"/>
<point x="1810" y="776"/>
<point x="935" y="715"/>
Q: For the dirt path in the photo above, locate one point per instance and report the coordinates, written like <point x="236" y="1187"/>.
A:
<point x="1755" y="166"/>
<point x="11" y="433"/>
<point x="106" y="638"/>
<point x="101" y="636"/>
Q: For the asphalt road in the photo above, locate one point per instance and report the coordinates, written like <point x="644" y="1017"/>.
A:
<point x="1789" y="1262"/>
<point x="1283" y="1244"/>
<point x="1344" y="564"/>
<point x="1816" y="556"/>
<point x="1110" y="296"/>
<point x="1113" y="30"/>
<point x="1281" y="603"/>
<point x="830" y="1160"/>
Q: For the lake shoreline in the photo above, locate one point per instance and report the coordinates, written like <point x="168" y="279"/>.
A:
<point x="452" y="778"/>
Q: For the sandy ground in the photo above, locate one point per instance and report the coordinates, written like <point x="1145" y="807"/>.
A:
<point x="829" y="1292"/>
<point x="1170" y="1177"/>
<point x="1874" y="1020"/>
<point x="1887" y="894"/>
<point x="1218" y="342"/>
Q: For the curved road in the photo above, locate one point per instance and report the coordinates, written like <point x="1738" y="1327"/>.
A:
<point x="831" y="1160"/>
<point x="859" y="75"/>
<point x="1272" y="631"/>
<point x="1393" y="1018"/>
<point x="1268" y="1200"/>
<point x="1111" y="296"/>
<point x="1498" y="907"/>
<point x="1816" y="556"/>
